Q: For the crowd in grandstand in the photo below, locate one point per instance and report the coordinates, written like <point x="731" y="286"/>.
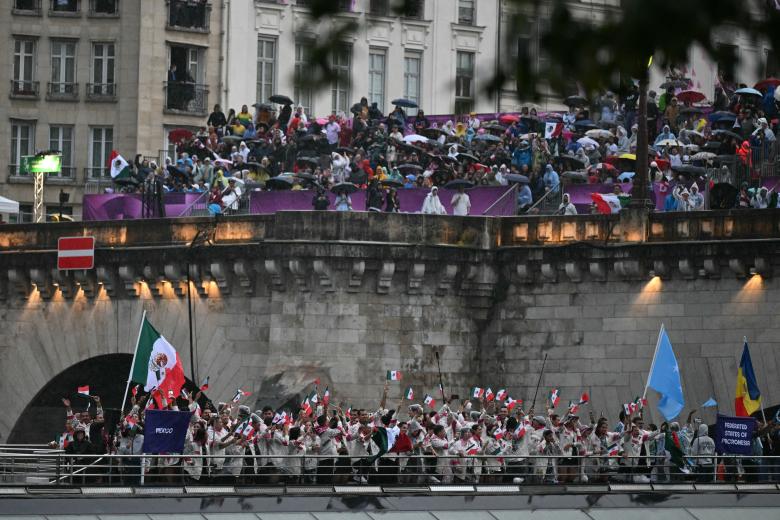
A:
<point x="486" y="439"/>
<point x="695" y="146"/>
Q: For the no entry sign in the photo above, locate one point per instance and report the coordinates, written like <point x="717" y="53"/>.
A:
<point x="75" y="253"/>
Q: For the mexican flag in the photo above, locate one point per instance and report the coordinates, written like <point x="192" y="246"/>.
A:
<point x="477" y="392"/>
<point x="501" y="394"/>
<point x="430" y="401"/>
<point x="326" y="397"/>
<point x="606" y="203"/>
<point x="554" y="398"/>
<point x="156" y="364"/>
<point x="118" y="167"/>
<point x="84" y="390"/>
<point x="409" y="394"/>
<point x="489" y="396"/>
<point x="393" y="375"/>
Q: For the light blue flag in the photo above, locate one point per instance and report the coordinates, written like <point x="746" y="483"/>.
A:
<point x="709" y="403"/>
<point x="665" y="378"/>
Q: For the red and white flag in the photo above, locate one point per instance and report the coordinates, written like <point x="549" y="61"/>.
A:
<point x="306" y="407"/>
<point x="489" y="396"/>
<point x="511" y="403"/>
<point x="326" y="397"/>
<point x="477" y="392"/>
<point x="429" y="401"/>
<point x="584" y="398"/>
<point x="552" y="130"/>
<point x="205" y="384"/>
<point x="84" y="390"/>
<point x="239" y="394"/>
<point x="554" y="398"/>
<point x="606" y="203"/>
<point x="501" y="394"/>
<point x="409" y="394"/>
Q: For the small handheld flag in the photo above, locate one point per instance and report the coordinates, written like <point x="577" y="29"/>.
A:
<point x="501" y="394"/>
<point x="409" y="394"/>
<point x="314" y="398"/>
<point x="326" y="397"/>
<point x="477" y="392"/>
<point x="489" y="396"/>
<point x="205" y="384"/>
<point x="573" y="407"/>
<point x="584" y="398"/>
<point x="429" y="401"/>
<point x="84" y="390"/>
<point x="306" y="407"/>
<point x="239" y="394"/>
<point x="511" y="403"/>
<point x="554" y="398"/>
<point x="135" y="390"/>
<point x="393" y="375"/>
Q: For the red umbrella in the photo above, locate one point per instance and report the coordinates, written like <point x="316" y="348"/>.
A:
<point x="766" y="83"/>
<point x="508" y="119"/>
<point x="691" y="96"/>
<point x="178" y="135"/>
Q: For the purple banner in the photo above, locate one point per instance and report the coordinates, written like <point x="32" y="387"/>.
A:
<point x="482" y="198"/>
<point x="579" y="194"/>
<point x="121" y="206"/>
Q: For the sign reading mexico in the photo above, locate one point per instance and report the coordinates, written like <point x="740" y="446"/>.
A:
<point x="75" y="253"/>
<point x="734" y="434"/>
<point x="165" y="430"/>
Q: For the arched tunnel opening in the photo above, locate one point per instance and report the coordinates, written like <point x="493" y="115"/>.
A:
<point x="43" y="419"/>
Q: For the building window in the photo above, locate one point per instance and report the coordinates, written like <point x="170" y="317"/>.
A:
<point x="63" y="68"/>
<point x="376" y="78"/>
<point x="24" y="83"/>
<point x="771" y="65"/>
<point x="103" y="63"/>
<point x="726" y="68"/>
<point x="341" y="59"/>
<point x="189" y="14"/>
<point x="61" y="139"/>
<point x="412" y="70"/>
<point x="344" y="5"/>
<point x="64" y="6"/>
<point x="104" y="7"/>
<point x="464" y="82"/>
<point x="27" y="7"/>
<point x="379" y="7"/>
<point x="467" y="12"/>
<point x="266" y="67"/>
<point x="414" y="9"/>
<point x="302" y="94"/>
<point x="25" y="214"/>
<point x="101" y="143"/>
<point x="185" y="91"/>
<point x="22" y="143"/>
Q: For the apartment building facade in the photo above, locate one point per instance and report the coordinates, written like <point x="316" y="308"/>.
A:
<point x="441" y="55"/>
<point x="90" y="76"/>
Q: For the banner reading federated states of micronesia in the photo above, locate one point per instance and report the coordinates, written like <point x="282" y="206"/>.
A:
<point x="734" y="434"/>
<point x="164" y="431"/>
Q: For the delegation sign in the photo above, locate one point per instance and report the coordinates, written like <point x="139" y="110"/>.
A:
<point x="164" y="431"/>
<point x="734" y="434"/>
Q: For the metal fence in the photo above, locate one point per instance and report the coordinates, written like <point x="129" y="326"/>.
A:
<point x="32" y="466"/>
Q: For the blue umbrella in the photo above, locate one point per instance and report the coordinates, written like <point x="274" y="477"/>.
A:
<point x="405" y="103"/>
<point x="626" y="176"/>
<point x="722" y="115"/>
<point x="747" y="91"/>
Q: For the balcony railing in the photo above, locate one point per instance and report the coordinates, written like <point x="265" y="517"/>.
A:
<point x="379" y="8"/>
<point x="189" y="15"/>
<point x="25" y="89"/>
<point x="97" y="174"/>
<point x="104" y="8"/>
<point x="104" y="92"/>
<point x="62" y="91"/>
<point x="14" y="174"/>
<point x="96" y="184"/>
<point x="186" y="98"/>
<point x="27" y="7"/>
<point x="65" y="8"/>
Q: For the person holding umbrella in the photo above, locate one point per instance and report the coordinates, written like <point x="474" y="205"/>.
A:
<point x="343" y="201"/>
<point x="392" y="204"/>
<point x="461" y="203"/>
<point x="374" y="199"/>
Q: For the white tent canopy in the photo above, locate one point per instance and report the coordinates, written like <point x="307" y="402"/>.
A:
<point x="8" y="206"/>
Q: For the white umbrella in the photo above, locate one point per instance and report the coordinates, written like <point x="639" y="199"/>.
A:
<point x="599" y="133"/>
<point x="587" y="141"/>
<point x="8" y="206"/>
<point x="415" y="138"/>
<point x="668" y="142"/>
<point x="703" y="156"/>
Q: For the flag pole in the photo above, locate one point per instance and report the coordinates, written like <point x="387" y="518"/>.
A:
<point x="652" y="364"/>
<point x="763" y="414"/>
<point x="539" y="382"/>
<point x="132" y="363"/>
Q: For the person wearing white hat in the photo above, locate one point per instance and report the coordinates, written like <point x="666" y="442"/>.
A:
<point x="763" y="131"/>
<point x="696" y="198"/>
<point x="682" y="196"/>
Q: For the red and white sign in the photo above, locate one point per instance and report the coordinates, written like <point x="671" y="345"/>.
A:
<point x="75" y="253"/>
